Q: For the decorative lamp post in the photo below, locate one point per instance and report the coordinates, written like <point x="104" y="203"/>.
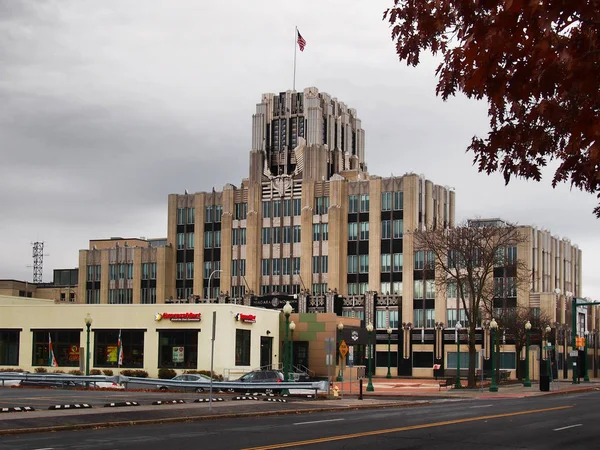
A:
<point x="548" y="363"/>
<point x="458" y="327"/>
<point x="88" y="323"/>
<point x="370" y="384"/>
<point x="340" y="327"/>
<point x="291" y="358"/>
<point x="287" y="310"/>
<point x="493" y="328"/>
<point x="585" y="360"/>
<point x="527" y="333"/>
<point x="389" y="333"/>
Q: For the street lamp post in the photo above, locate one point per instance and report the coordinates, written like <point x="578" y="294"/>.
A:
<point x="88" y="323"/>
<point x="291" y="358"/>
<point x="585" y="361"/>
<point x="493" y="327"/>
<point x="389" y="333"/>
<point x="209" y="279"/>
<point x="527" y="333"/>
<point x="340" y="327"/>
<point x="458" y="327"/>
<point x="370" y="384"/>
<point x="287" y="310"/>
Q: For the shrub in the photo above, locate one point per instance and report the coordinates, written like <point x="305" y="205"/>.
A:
<point x="134" y="373"/>
<point x="75" y="372"/>
<point x="41" y="370"/>
<point x="166" y="374"/>
<point x="10" y="369"/>
<point x="107" y="372"/>
<point x="58" y="371"/>
<point x="207" y="373"/>
<point x="98" y="372"/>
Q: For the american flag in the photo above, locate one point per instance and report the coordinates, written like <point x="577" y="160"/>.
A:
<point x="301" y="42"/>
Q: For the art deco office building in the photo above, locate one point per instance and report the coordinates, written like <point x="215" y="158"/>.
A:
<point x="312" y="226"/>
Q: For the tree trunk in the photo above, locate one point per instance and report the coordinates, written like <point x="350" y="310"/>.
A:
<point x="472" y="358"/>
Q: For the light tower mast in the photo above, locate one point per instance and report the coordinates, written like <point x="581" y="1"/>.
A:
<point x="38" y="261"/>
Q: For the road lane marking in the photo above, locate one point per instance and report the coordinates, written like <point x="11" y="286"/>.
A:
<point x="317" y="421"/>
<point x="481" y="406"/>
<point x="566" y="428"/>
<point x="407" y="428"/>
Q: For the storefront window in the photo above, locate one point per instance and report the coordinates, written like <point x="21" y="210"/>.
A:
<point x="9" y="347"/>
<point x="242" y="347"/>
<point x="178" y="349"/>
<point x="106" y="352"/>
<point x="65" y="344"/>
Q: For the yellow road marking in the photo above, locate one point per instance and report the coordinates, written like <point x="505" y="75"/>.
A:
<point x="408" y="428"/>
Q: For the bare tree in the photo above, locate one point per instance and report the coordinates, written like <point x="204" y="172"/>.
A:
<point x="466" y="257"/>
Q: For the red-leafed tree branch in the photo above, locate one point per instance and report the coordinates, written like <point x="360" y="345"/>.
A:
<point x="538" y="65"/>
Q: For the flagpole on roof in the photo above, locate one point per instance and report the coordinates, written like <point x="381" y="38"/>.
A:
<point x="295" y="45"/>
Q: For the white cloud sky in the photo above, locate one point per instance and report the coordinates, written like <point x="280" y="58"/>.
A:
<point x="107" y="107"/>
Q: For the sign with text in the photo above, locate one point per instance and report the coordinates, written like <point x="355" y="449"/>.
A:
<point x="178" y="354"/>
<point x="178" y="317"/>
<point x="343" y="349"/>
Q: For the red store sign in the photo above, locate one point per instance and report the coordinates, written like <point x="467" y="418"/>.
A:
<point x="246" y="318"/>
<point x="178" y="317"/>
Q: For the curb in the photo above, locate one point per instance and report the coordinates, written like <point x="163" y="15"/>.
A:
<point x="243" y="397"/>
<point x="168" y="402"/>
<point x="17" y="409"/>
<point x="119" y="404"/>
<point x="207" y="400"/>
<point x="70" y="406"/>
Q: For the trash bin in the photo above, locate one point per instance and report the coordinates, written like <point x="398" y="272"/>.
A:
<point x="544" y="383"/>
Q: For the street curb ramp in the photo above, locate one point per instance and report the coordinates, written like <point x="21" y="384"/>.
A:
<point x="70" y="406"/>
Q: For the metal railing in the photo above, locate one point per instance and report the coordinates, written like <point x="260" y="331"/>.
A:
<point x="81" y="380"/>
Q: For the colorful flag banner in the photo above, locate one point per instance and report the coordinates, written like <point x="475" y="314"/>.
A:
<point x="120" y="347"/>
<point x="301" y="41"/>
<point x="51" y="359"/>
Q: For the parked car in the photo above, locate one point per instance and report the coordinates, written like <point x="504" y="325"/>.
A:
<point x="190" y="377"/>
<point x="10" y="383"/>
<point x="258" y="377"/>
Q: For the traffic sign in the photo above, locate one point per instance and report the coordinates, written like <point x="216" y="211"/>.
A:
<point x="343" y="349"/>
<point x="548" y="347"/>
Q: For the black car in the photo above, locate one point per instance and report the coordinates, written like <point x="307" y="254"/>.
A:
<point x="258" y="377"/>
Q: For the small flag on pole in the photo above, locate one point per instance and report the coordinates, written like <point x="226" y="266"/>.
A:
<point x="120" y="351"/>
<point x="301" y="42"/>
<point x="51" y="359"/>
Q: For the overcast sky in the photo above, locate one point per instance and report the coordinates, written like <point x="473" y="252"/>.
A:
<point x="107" y="107"/>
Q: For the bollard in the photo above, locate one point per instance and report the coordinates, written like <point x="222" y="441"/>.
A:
<point x="360" y="384"/>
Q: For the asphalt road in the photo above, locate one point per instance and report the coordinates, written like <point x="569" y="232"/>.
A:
<point x="566" y="421"/>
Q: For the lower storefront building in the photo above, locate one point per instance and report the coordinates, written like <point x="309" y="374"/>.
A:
<point x="41" y="334"/>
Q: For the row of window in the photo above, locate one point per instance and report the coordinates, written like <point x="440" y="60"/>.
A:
<point x="185" y="271"/>
<point x="176" y="349"/>
<point x="389" y="201"/>
<point x="94" y="273"/>
<point x="185" y="240"/>
<point x="389" y="263"/>
<point x="213" y="213"/>
<point x="287" y="288"/>
<point x="278" y="235"/>
<point x="283" y="266"/>
<point x="120" y="296"/>
<point x="185" y="216"/>
<point x="282" y="208"/>
<point x="148" y="295"/>
<point x="121" y="271"/>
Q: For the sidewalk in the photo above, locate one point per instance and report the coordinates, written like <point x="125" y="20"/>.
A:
<point x="387" y="393"/>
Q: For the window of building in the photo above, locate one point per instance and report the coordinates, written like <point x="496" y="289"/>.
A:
<point x="511" y="287"/>
<point x="98" y="273"/>
<point x="122" y="268"/>
<point x="191" y="213"/>
<point x="65" y="345"/>
<point x="276" y="234"/>
<point x="364" y="203"/>
<point x="319" y="288"/>
<point x="120" y="296"/>
<point x="296" y="266"/>
<point x="352" y="231"/>
<point x="419" y="260"/>
<point x="385" y="287"/>
<point x="287" y="266"/>
<point x="386" y="201"/>
<point x="287" y="208"/>
<point x="148" y="296"/>
<point x="90" y="273"/>
<point x="352" y="264"/>
<point x="178" y="349"/>
<point x="352" y="288"/>
<point x="429" y="318"/>
<point x="218" y="213"/>
<point x="180" y="241"/>
<point x="364" y="231"/>
<point x="241" y="211"/>
<point x="217" y="235"/>
<point x="324" y="264"/>
<point x="9" y="347"/>
<point x="189" y="270"/>
<point x="180" y="216"/>
<point x="130" y="271"/>
<point x="352" y="204"/>
<point x="266" y="209"/>
<point x="418" y="318"/>
<point x="276" y="208"/>
<point x="208" y="214"/>
<point x="321" y="205"/>
<point x="418" y="292"/>
<point x="386" y="229"/>
<point x="398" y="228"/>
<point x="92" y="296"/>
<point x="179" y="271"/>
<point x="287" y="232"/>
<point x="363" y="288"/>
<point x="398" y="262"/>
<point x="242" y="347"/>
<point x="397" y="287"/>
<point x="424" y="360"/>
<point x="297" y="206"/>
<point x="429" y="289"/>
<point x="511" y="256"/>
<point x="242" y="267"/>
<point x="106" y="348"/>
<point x="325" y="231"/>
<point x="464" y="360"/>
<point x="315" y="264"/>
<point x="297" y="233"/>
<point x="276" y="264"/>
<point x="386" y="263"/>
<point x="498" y="287"/>
<point x="266" y="235"/>
<point x="316" y="232"/>
<point x="398" y="201"/>
<point x="190" y="240"/>
<point x="363" y="264"/>
<point x="208" y="239"/>
<point x="207" y="268"/>
<point x="266" y="267"/>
